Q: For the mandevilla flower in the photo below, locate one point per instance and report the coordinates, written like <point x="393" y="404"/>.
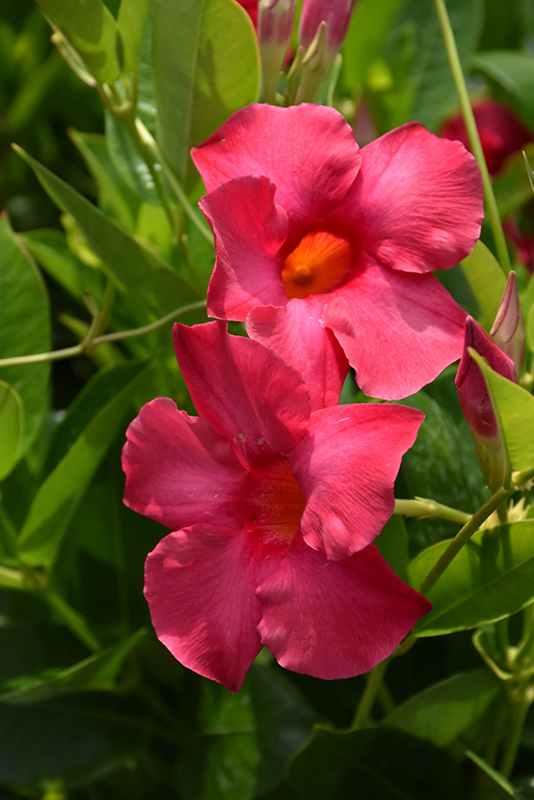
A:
<point x="274" y="509"/>
<point x="251" y="7"/>
<point x="476" y="402"/>
<point x="324" y="250"/>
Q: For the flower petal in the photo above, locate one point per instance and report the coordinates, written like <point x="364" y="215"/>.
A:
<point x="178" y="469"/>
<point x="398" y="330"/>
<point x="296" y="334"/>
<point x="200" y="585"/>
<point x="335" y="619"/>
<point x="346" y="466"/>
<point x="307" y="151"/>
<point x="244" y="389"/>
<point x="249" y="230"/>
<point x="417" y="203"/>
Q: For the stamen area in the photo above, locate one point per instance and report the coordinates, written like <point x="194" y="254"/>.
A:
<point x="316" y="264"/>
<point x="276" y="502"/>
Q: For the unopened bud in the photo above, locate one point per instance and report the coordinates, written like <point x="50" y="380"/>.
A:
<point x="508" y="331"/>
<point x="275" y="23"/>
<point x="336" y="14"/>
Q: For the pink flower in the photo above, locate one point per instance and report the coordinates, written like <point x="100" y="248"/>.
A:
<point x="472" y="389"/>
<point x="501" y="133"/>
<point x="251" y="7"/>
<point x="274" y="510"/>
<point x="324" y="250"/>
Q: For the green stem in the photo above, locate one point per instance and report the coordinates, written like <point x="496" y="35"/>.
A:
<point x="370" y="693"/>
<point x="463" y="536"/>
<point x="474" y="138"/>
<point x="422" y="508"/>
<point x="72" y="620"/>
<point x="79" y="349"/>
<point x="512" y="742"/>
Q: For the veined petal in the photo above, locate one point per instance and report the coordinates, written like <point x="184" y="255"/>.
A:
<point x="200" y="584"/>
<point x="346" y="465"/>
<point x="297" y="335"/>
<point x="417" y="203"/>
<point x="335" y="619"/>
<point x="308" y="151"/>
<point x="179" y="470"/>
<point x="398" y="330"/>
<point x="249" y="230"/>
<point x="244" y="389"/>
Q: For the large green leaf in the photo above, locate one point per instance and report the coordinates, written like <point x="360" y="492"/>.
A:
<point x="205" y="66"/>
<point x="490" y="578"/>
<point x="515" y="73"/>
<point x="98" y="672"/>
<point x="92" y="31"/>
<point x="245" y="740"/>
<point x="133" y="266"/>
<point x="380" y="764"/>
<point x="24" y="330"/>
<point x="514" y="409"/>
<point x="370" y="23"/>
<point x="440" y="713"/>
<point x="100" y="411"/>
<point x="11" y="427"/>
<point x="127" y="161"/>
<point x="133" y="15"/>
<point x="486" y="278"/>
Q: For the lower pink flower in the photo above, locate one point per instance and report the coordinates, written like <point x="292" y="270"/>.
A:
<point x="274" y="509"/>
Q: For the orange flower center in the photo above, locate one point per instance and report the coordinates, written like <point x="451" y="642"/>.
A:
<point x="316" y="264"/>
<point x="277" y="502"/>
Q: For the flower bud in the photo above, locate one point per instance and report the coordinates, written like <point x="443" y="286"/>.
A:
<point x="275" y="23"/>
<point x="508" y="331"/>
<point x="336" y="14"/>
<point x="476" y="401"/>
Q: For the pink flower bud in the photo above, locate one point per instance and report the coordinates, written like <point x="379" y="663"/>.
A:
<point x="472" y="389"/>
<point x="336" y="14"/>
<point x="508" y="330"/>
<point x="275" y="23"/>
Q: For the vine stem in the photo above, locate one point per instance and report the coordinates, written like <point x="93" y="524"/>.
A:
<point x="472" y="131"/>
<point x="79" y="349"/>
<point x="370" y="693"/>
<point x="519" y="713"/>
<point x="72" y="620"/>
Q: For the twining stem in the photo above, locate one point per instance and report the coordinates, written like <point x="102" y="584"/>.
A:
<point x="511" y="744"/>
<point x="72" y="620"/>
<point x="79" y="349"/>
<point x="367" y="700"/>
<point x="422" y="508"/>
<point x="474" y="138"/>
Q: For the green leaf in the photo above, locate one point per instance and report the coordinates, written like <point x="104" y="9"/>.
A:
<point x="127" y="161"/>
<point x="205" y="66"/>
<point x="11" y="427"/>
<point x="98" y="672"/>
<point x="245" y="740"/>
<point x="512" y="186"/>
<point x="491" y="577"/>
<point x="370" y="23"/>
<point x="393" y="544"/>
<point x="380" y="764"/>
<point x="99" y="412"/>
<point x="515" y="73"/>
<point x="132" y="19"/>
<point x="92" y="31"/>
<point x="495" y="776"/>
<point x="24" y="330"/>
<point x="514" y="409"/>
<point x="115" y="198"/>
<point x="486" y="278"/>
<point x="440" y="713"/>
<point x="133" y="266"/>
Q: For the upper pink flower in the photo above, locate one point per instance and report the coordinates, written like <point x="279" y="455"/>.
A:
<point x="324" y="249"/>
<point x="273" y="509"/>
<point x="500" y="131"/>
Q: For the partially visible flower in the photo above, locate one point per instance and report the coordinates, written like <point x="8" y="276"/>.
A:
<point x="324" y="250"/>
<point x="508" y="331"/>
<point x="251" y="7"/>
<point x="476" y="401"/>
<point x="275" y="23"/>
<point x="273" y="509"/>
<point x="500" y="131"/>
<point x="336" y="14"/>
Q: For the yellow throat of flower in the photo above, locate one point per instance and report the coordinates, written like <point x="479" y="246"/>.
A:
<point x="316" y="264"/>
